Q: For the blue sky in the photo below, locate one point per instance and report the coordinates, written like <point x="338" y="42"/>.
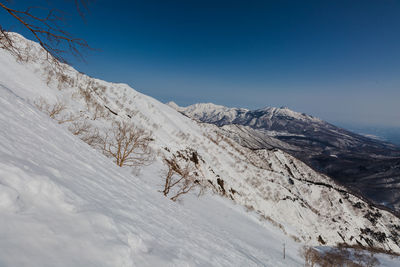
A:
<point x="338" y="60"/>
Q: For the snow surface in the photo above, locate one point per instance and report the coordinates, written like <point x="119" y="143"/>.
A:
<point x="64" y="204"/>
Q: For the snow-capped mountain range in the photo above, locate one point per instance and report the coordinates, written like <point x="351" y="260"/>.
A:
<point x="74" y="199"/>
<point x="368" y="166"/>
<point x="260" y="118"/>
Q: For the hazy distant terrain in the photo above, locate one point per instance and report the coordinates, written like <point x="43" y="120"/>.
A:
<point x="389" y="134"/>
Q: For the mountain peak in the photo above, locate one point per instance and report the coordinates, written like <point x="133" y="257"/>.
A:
<point x="173" y="105"/>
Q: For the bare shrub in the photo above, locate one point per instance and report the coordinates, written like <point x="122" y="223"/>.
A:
<point x="22" y="52"/>
<point x="181" y="178"/>
<point x="295" y="238"/>
<point x="53" y="110"/>
<point x="79" y="127"/>
<point x="68" y="118"/>
<point x="273" y="222"/>
<point x="100" y="89"/>
<point x="363" y="259"/>
<point x="91" y="138"/>
<point x="337" y="257"/>
<point x="310" y="256"/>
<point x="50" y="75"/>
<point x="373" y="250"/>
<point x="217" y="139"/>
<point x="63" y="80"/>
<point x="7" y="43"/>
<point x="86" y="132"/>
<point x="98" y="111"/>
<point x="85" y="93"/>
<point x="127" y="144"/>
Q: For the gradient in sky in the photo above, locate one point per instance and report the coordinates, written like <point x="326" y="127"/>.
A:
<point x="338" y="60"/>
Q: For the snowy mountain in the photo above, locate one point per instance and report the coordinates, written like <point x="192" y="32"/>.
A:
<point x="368" y="166"/>
<point x="266" y="118"/>
<point x="63" y="203"/>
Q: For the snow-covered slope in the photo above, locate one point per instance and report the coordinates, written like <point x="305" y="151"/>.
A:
<point x="64" y="204"/>
<point x="290" y="198"/>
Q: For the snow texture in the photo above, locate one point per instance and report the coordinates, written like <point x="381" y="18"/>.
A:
<point x="64" y="204"/>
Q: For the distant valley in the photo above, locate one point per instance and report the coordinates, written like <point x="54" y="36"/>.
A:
<point x="384" y="133"/>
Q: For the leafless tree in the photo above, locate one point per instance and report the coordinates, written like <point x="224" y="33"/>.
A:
<point x="98" y="111"/>
<point x="180" y="179"/>
<point x="86" y="132"/>
<point x="68" y="118"/>
<point x="53" y="110"/>
<point x="337" y="257"/>
<point x="7" y="43"/>
<point x="127" y="144"/>
<point x="56" y="111"/>
<point x="47" y="31"/>
<point x="82" y="6"/>
<point x="80" y="127"/>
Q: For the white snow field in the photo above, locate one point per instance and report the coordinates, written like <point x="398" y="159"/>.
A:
<point x="62" y="203"/>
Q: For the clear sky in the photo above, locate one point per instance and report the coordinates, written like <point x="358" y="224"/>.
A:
<point x="337" y="60"/>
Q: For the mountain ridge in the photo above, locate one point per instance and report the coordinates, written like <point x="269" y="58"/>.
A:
<point x="349" y="158"/>
<point x="218" y="113"/>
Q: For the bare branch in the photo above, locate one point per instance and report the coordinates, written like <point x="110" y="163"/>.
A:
<point x="128" y="145"/>
<point x="86" y="132"/>
<point x="46" y="30"/>
<point x="82" y="6"/>
<point x="181" y="178"/>
<point x="7" y="43"/>
<point x="53" y="110"/>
